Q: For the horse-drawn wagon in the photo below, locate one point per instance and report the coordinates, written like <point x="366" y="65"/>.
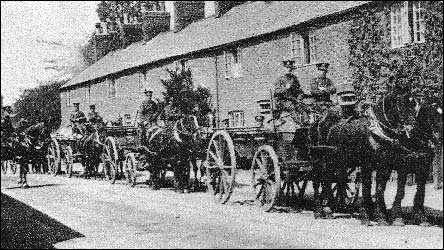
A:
<point x="66" y="149"/>
<point x="280" y="161"/>
<point x="165" y="148"/>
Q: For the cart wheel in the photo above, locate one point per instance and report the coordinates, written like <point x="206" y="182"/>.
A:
<point x="220" y="164"/>
<point x="69" y="160"/>
<point x="53" y="157"/>
<point x="346" y="193"/>
<point x="266" y="177"/>
<point x="130" y="169"/>
<point x="110" y="160"/>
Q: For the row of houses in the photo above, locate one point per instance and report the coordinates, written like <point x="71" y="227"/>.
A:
<point x="237" y="54"/>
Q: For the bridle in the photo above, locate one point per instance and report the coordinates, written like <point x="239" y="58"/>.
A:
<point x="401" y="128"/>
<point x="192" y="133"/>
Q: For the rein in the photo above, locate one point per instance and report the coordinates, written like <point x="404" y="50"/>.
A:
<point x="405" y="129"/>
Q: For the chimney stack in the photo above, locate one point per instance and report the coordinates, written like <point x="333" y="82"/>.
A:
<point x="222" y="7"/>
<point x="186" y="12"/>
<point x="155" y="19"/>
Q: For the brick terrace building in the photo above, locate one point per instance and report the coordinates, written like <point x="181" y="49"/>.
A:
<point x="237" y="55"/>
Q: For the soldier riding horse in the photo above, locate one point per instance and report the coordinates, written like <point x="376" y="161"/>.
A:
<point x="27" y="146"/>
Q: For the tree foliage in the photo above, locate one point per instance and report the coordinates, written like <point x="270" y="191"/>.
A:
<point x="41" y="104"/>
<point x="190" y="100"/>
<point x="416" y="66"/>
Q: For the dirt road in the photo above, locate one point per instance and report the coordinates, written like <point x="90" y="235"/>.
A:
<point x="101" y="215"/>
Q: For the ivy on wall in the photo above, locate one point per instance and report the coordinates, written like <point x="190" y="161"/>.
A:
<point x="373" y="61"/>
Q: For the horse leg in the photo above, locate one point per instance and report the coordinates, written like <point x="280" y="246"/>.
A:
<point x="195" y="169"/>
<point x="328" y="194"/>
<point x="418" y="202"/>
<point x="382" y="177"/>
<point x="400" y="192"/>
<point x="24" y="168"/>
<point x="366" y="204"/>
<point x="318" y="208"/>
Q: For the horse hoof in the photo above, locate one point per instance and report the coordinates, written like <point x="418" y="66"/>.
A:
<point x="366" y="223"/>
<point x="425" y="224"/>
<point x="328" y="216"/>
<point x="398" y="222"/>
<point x="25" y="185"/>
<point x="383" y="223"/>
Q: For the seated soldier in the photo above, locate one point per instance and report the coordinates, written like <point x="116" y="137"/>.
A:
<point x="148" y="113"/>
<point x="347" y="101"/>
<point x="321" y="89"/>
<point x="77" y="119"/>
<point x="94" y="118"/>
<point x="288" y="97"/>
<point x="6" y="123"/>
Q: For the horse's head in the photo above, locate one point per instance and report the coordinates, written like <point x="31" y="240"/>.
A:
<point x="400" y="112"/>
<point x="188" y="129"/>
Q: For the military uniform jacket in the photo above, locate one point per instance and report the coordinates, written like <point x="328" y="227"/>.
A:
<point x="77" y="117"/>
<point x="148" y="110"/>
<point x="94" y="117"/>
<point x="322" y="88"/>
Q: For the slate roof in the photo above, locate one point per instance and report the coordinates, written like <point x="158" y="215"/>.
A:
<point x="242" y="22"/>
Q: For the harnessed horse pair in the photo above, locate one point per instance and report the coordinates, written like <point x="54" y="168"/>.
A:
<point x="173" y="147"/>
<point x="396" y="135"/>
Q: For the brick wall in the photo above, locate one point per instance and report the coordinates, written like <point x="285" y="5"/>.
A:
<point x="261" y="66"/>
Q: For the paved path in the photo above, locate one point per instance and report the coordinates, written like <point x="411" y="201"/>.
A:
<point x="96" y="214"/>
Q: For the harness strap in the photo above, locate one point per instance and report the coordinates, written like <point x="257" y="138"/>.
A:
<point x="375" y="127"/>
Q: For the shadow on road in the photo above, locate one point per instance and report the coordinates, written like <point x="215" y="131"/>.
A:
<point x="294" y="205"/>
<point x="35" y="186"/>
<point x="25" y="227"/>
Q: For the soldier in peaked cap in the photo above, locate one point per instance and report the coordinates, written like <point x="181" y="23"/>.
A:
<point x="6" y="122"/>
<point x="94" y="118"/>
<point x="77" y="119"/>
<point x="148" y="112"/>
<point x="321" y="86"/>
<point x="347" y="100"/>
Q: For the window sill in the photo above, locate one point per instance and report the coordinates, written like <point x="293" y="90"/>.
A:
<point x="306" y="65"/>
<point x="408" y="45"/>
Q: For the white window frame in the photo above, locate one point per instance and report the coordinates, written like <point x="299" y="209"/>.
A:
<point x="236" y="119"/>
<point x="314" y="48"/>
<point x="297" y="49"/>
<point x="141" y="79"/>
<point x="112" y="90"/>
<point x="228" y="61"/>
<point x="233" y="63"/>
<point x="406" y="23"/>
<point x="418" y="22"/>
<point x="68" y="98"/>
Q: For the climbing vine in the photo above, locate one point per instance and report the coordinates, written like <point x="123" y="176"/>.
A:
<point x="416" y="66"/>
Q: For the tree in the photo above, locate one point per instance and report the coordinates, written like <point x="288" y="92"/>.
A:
<point x="114" y="11"/>
<point x="41" y="104"/>
<point x="190" y="100"/>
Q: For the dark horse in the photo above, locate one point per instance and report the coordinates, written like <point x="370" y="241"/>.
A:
<point x="92" y="149"/>
<point x="393" y="136"/>
<point x="175" y="145"/>
<point x="29" y="147"/>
